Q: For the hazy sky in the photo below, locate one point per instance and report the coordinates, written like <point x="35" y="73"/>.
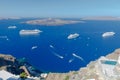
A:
<point x="59" y="8"/>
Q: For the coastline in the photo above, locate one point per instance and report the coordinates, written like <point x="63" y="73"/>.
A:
<point x="90" y="72"/>
<point x="17" y="68"/>
<point x="93" y="71"/>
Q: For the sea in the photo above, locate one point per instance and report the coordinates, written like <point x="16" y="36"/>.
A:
<point x="52" y="51"/>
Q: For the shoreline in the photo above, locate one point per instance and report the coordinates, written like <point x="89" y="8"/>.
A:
<point x="91" y="71"/>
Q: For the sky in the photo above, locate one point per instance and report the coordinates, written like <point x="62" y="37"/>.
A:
<point x="59" y="8"/>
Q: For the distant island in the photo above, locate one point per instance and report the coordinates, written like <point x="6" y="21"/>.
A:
<point x="52" y="22"/>
<point x="101" y="18"/>
<point x="59" y="21"/>
<point x="10" y="18"/>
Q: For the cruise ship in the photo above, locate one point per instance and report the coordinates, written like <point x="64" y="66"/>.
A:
<point x="29" y="32"/>
<point x="108" y="34"/>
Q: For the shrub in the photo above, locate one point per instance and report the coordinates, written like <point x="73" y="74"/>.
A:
<point x="66" y="78"/>
<point x="23" y="75"/>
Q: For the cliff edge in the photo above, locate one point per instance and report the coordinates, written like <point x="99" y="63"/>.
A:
<point x="105" y="68"/>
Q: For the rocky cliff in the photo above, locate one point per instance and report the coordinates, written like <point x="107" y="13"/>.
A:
<point x="95" y="70"/>
<point x="10" y="64"/>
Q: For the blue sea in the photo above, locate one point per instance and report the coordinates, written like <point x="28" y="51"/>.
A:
<point x="52" y="43"/>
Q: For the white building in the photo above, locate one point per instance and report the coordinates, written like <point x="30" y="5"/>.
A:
<point x="4" y="75"/>
<point x="90" y="79"/>
<point x="119" y="59"/>
<point x="106" y="67"/>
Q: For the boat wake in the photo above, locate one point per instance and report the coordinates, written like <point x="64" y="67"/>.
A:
<point x="4" y="37"/>
<point x="12" y="27"/>
<point x="78" y="56"/>
<point x="59" y="56"/>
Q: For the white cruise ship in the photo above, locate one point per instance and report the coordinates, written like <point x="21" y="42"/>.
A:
<point x="108" y="34"/>
<point x="29" y="32"/>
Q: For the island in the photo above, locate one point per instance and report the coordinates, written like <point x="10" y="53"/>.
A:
<point x="52" y="22"/>
<point x="101" y="18"/>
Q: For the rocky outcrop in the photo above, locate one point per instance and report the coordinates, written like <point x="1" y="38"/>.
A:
<point x="17" y="66"/>
<point x="6" y="60"/>
<point x="10" y="64"/>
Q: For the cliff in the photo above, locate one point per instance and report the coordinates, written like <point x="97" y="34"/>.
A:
<point x="17" y="66"/>
<point x="6" y="60"/>
<point x="101" y="69"/>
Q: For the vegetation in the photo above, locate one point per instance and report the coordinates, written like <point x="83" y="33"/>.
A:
<point x="75" y="72"/>
<point x="23" y="75"/>
<point x="66" y="78"/>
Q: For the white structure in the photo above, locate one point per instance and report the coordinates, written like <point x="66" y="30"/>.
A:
<point x="119" y="59"/>
<point x="106" y="67"/>
<point x="43" y="75"/>
<point x="6" y="75"/>
<point x="90" y="79"/>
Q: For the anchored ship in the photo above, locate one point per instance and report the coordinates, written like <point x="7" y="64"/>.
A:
<point x="29" y="32"/>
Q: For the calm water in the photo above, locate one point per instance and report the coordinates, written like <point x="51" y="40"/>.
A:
<point x="53" y="43"/>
